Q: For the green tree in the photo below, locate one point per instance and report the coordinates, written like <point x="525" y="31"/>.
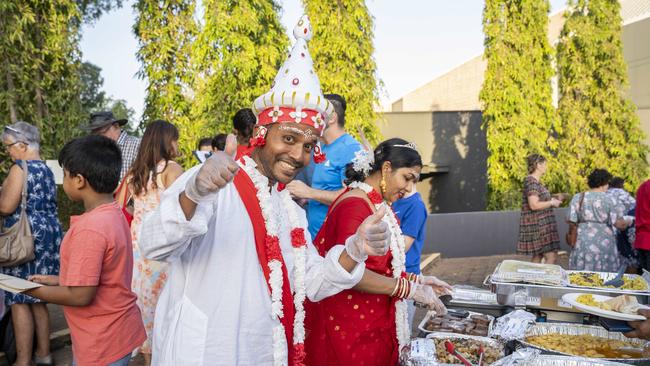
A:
<point x="599" y="126"/>
<point x="518" y="113"/>
<point x="40" y="68"/>
<point x="342" y="49"/>
<point x="92" y="10"/>
<point x="239" y="51"/>
<point x="92" y="96"/>
<point x="165" y="30"/>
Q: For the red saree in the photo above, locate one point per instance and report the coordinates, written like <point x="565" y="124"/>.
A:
<point x="351" y="328"/>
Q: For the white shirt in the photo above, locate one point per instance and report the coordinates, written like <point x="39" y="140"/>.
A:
<point x="215" y="308"/>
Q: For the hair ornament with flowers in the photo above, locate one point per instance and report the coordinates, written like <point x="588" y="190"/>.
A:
<point x="362" y="162"/>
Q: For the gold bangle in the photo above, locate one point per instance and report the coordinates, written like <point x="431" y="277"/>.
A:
<point x="399" y="287"/>
<point x="395" y="289"/>
<point x="405" y="286"/>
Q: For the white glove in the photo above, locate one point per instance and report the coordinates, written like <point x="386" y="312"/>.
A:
<point x="217" y="171"/>
<point x="371" y="238"/>
<point x="424" y="295"/>
<point x="439" y="286"/>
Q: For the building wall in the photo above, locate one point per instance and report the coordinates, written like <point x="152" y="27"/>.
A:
<point x="636" y="50"/>
<point x="454" y="152"/>
<point x="459" y="88"/>
<point x="456" y="90"/>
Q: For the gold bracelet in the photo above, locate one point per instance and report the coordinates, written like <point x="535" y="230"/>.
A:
<point x="399" y="287"/>
<point x="405" y="288"/>
<point x="395" y="289"/>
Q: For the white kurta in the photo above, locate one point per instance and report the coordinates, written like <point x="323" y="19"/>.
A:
<point x="215" y="308"/>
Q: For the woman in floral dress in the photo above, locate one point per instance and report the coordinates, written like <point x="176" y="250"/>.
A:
<point x="152" y="171"/>
<point x="595" y="248"/>
<point x="29" y="315"/>
<point x="538" y="234"/>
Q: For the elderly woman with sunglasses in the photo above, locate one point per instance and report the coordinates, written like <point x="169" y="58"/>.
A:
<point x="21" y="141"/>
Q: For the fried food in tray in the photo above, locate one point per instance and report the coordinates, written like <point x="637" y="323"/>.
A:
<point x="597" y="280"/>
<point x="586" y="345"/>
<point x="469" y="348"/>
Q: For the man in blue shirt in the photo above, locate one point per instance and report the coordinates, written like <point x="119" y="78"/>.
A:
<point x="328" y="177"/>
<point x="412" y="214"/>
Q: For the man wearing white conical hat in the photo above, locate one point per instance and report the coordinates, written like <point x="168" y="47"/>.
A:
<point x="241" y="259"/>
<point x="242" y="262"/>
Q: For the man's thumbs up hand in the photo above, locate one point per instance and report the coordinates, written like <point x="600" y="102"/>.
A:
<point x="371" y="237"/>
<point x="217" y="171"/>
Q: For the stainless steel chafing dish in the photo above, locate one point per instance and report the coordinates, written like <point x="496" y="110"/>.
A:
<point x="543" y="296"/>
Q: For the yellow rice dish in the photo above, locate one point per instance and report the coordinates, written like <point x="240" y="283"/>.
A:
<point x="586" y="279"/>
<point x="586" y="346"/>
<point x="589" y="300"/>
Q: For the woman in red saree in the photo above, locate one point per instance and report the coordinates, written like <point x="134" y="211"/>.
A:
<point x="368" y="328"/>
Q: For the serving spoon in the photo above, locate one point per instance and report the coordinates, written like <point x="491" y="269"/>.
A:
<point x="618" y="280"/>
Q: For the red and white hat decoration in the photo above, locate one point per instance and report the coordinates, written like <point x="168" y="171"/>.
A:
<point x="295" y="96"/>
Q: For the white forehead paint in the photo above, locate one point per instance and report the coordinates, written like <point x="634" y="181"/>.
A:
<point x="306" y="133"/>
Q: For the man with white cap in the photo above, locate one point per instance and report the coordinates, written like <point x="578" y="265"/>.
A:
<point x="242" y="262"/>
<point x="241" y="259"/>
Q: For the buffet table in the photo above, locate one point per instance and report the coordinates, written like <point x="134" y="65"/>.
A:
<point x="521" y="319"/>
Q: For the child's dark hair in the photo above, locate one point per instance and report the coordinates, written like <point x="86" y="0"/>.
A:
<point x="397" y="151"/>
<point x="244" y="122"/>
<point x="219" y="142"/>
<point x="96" y="158"/>
<point x="206" y="141"/>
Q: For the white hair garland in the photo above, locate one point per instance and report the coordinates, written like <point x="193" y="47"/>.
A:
<point x="362" y="162"/>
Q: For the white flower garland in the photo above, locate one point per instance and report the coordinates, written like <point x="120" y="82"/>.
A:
<point x="398" y="262"/>
<point x="261" y="183"/>
<point x="300" y="265"/>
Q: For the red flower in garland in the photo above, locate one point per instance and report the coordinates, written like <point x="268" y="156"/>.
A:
<point x="298" y="237"/>
<point x="281" y="187"/>
<point x="273" y="248"/>
<point x="375" y="197"/>
<point x="299" y="354"/>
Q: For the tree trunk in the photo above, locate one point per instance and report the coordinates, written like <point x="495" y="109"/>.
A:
<point x="41" y="106"/>
<point x="11" y="90"/>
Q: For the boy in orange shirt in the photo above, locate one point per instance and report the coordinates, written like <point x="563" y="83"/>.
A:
<point x="94" y="284"/>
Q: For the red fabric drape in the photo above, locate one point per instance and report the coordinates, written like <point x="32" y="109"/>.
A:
<point x="248" y="194"/>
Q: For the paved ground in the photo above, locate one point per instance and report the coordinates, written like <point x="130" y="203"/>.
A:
<point x="468" y="271"/>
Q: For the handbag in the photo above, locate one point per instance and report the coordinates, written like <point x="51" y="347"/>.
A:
<point x="17" y="242"/>
<point x="572" y="234"/>
<point x="127" y="215"/>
